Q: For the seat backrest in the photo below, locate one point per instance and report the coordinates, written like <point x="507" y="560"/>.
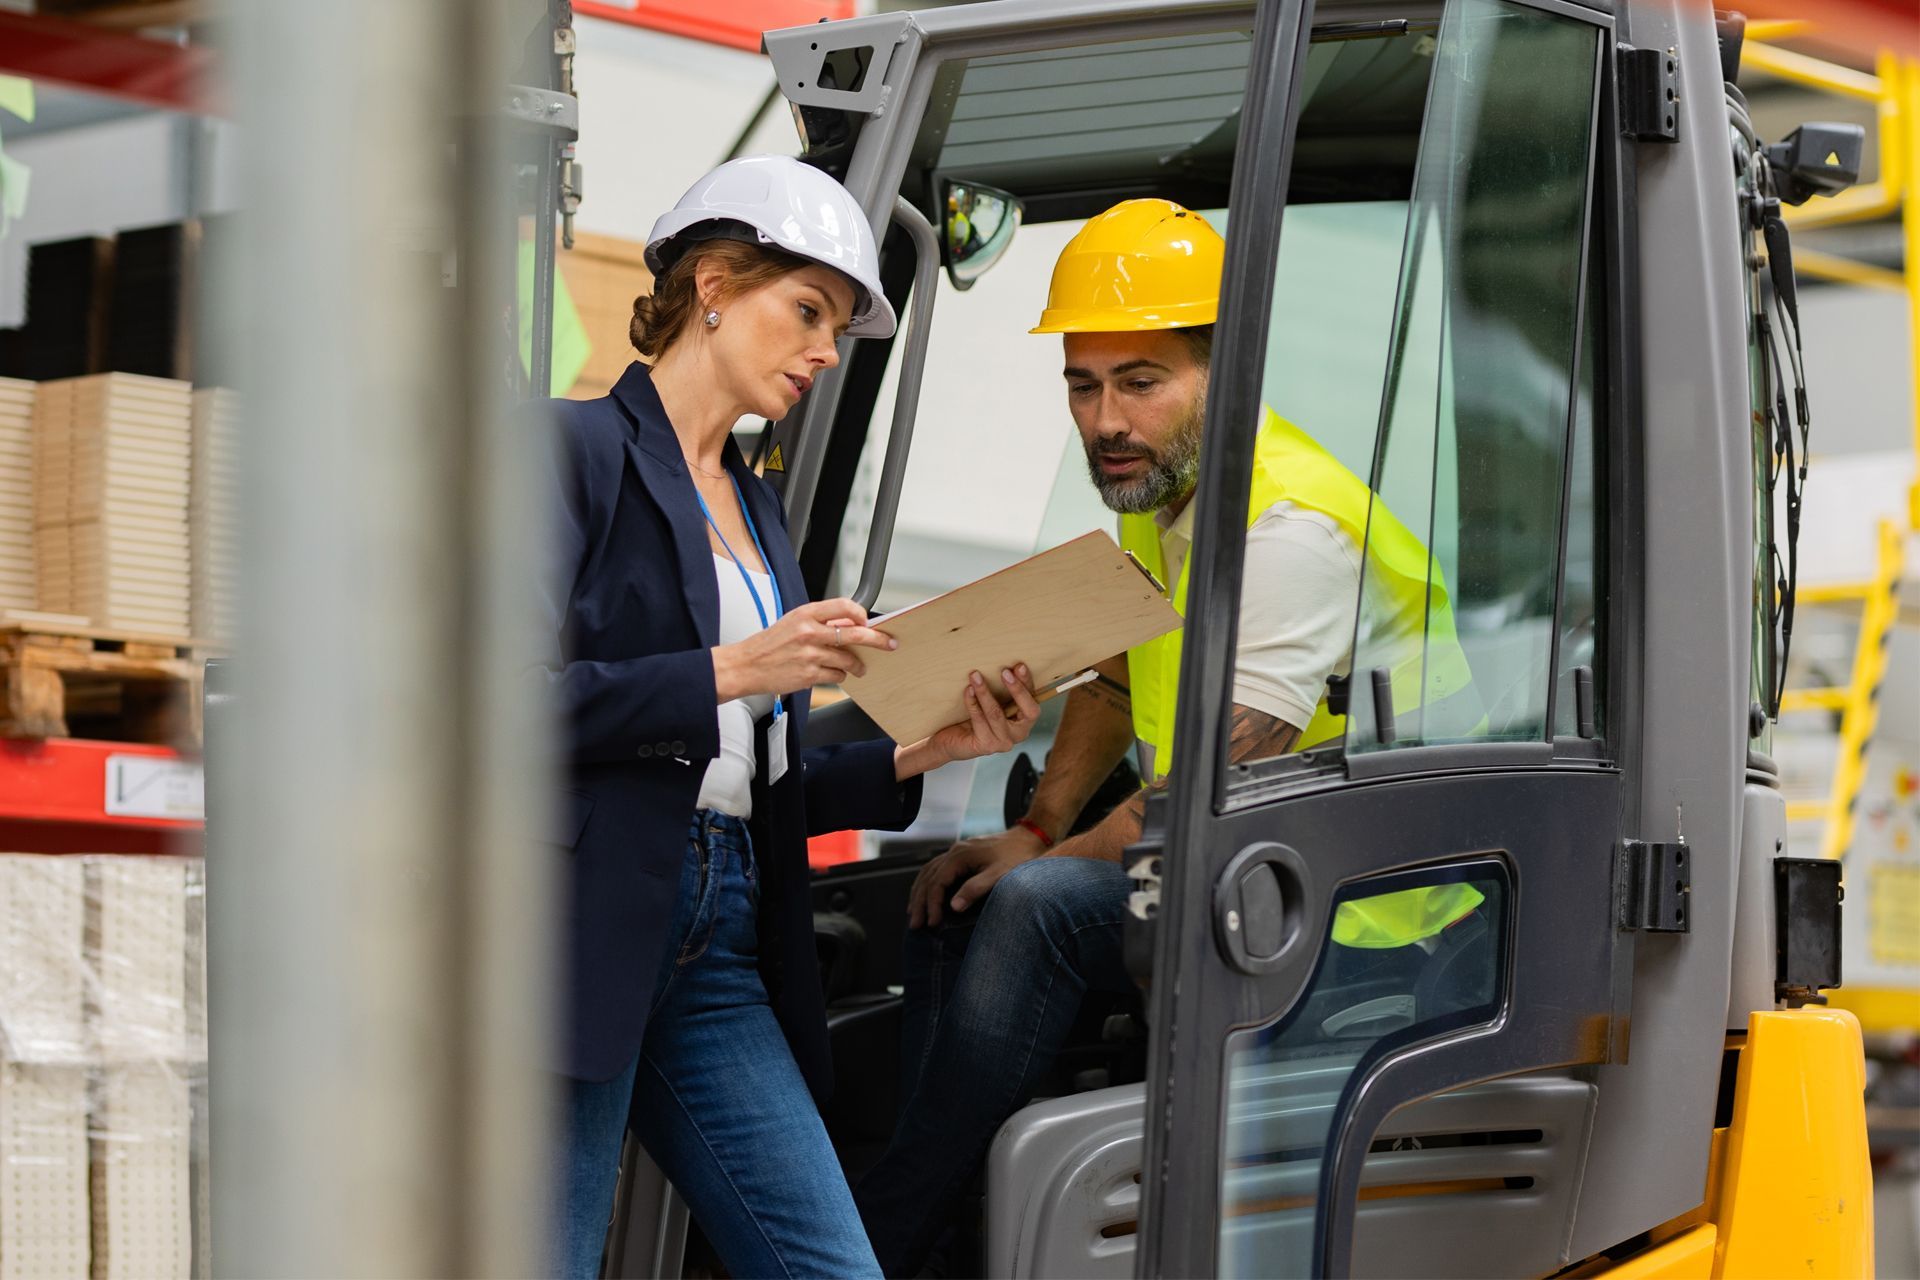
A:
<point x="1063" y="1187"/>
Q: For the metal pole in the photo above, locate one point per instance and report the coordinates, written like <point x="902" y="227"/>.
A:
<point x="378" y="920"/>
<point x="545" y="215"/>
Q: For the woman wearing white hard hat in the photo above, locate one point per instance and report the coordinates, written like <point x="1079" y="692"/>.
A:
<point x="682" y="647"/>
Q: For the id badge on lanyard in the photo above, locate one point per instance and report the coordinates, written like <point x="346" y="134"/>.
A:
<point x="776" y="754"/>
<point x="777" y="745"/>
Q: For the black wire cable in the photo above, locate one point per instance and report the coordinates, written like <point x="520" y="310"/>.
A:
<point x="1789" y="460"/>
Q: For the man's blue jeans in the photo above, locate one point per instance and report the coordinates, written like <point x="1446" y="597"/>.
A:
<point x="990" y="999"/>
<point x="715" y="1097"/>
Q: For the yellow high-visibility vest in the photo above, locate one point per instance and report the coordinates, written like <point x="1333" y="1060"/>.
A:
<point x="1289" y="466"/>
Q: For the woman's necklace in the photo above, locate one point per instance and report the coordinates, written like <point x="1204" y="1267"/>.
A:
<point x="711" y="475"/>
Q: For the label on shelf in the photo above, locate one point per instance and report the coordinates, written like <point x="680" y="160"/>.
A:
<point x="150" y="787"/>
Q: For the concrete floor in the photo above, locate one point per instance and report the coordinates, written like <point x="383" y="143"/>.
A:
<point x="1896" y="1225"/>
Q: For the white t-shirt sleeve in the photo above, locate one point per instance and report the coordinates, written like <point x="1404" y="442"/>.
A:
<point x="1297" y="607"/>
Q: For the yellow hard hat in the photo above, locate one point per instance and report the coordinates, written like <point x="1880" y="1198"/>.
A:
<point x="1143" y="264"/>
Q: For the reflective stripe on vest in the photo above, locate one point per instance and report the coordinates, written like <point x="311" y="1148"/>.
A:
<point x="1289" y="466"/>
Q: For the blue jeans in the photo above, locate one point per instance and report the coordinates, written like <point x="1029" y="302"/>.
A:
<point x="715" y="1098"/>
<point x="990" y="1000"/>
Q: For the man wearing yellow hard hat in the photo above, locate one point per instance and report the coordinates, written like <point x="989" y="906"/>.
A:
<point x="993" y="990"/>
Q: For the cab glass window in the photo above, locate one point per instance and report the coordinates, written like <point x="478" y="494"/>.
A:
<point x="1456" y="634"/>
<point x="1287" y="1079"/>
<point x="997" y="471"/>
<point x="1582" y="712"/>
<point x="1330" y="328"/>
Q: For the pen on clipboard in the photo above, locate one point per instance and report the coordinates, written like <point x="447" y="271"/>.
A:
<point x="1145" y="572"/>
<point x="1071" y="682"/>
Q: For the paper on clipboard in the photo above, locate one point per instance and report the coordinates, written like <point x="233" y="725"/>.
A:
<point x="1059" y="612"/>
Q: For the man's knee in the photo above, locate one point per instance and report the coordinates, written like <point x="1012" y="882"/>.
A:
<point x="1056" y="895"/>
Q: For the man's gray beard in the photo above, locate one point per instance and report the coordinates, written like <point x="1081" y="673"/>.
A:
<point x="1170" y="475"/>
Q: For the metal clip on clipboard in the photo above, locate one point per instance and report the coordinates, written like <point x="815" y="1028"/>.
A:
<point x="1146" y="573"/>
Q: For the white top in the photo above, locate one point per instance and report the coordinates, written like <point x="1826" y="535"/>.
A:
<point x="1298" y="601"/>
<point x="728" y="785"/>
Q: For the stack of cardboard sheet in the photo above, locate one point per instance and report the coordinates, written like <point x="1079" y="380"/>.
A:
<point x="143" y="1112"/>
<point x="210" y="513"/>
<point x="18" y="579"/>
<point x="68" y="284"/>
<point x="112" y="462"/>
<point x="43" y="1171"/>
<point x="142" y="1207"/>
<point x="149" y="321"/>
<point x="43" y="966"/>
<point x="43" y="1075"/>
<point x="137" y="951"/>
<point x="102" y="1067"/>
<point x="200" y="1144"/>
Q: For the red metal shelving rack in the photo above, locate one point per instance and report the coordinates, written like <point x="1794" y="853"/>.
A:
<point x="80" y="55"/>
<point x="736" y="25"/>
<point x="53" y="799"/>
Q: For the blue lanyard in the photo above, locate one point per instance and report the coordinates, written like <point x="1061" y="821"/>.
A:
<point x="779" y="610"/>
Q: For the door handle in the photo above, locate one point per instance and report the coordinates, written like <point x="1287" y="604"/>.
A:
<point x="1257" y="906"/>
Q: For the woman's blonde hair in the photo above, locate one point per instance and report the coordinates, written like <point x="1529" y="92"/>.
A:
<point x="662" y="318"/>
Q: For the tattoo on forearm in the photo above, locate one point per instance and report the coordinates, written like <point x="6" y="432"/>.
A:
<point x="1108" y="693"/>
<point x="1259" y="736"/>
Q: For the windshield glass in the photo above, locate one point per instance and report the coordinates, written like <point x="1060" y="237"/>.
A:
<point x="997" y="470"/>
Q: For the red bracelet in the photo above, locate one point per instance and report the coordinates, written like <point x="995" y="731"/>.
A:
<point x="1046" y="841"/>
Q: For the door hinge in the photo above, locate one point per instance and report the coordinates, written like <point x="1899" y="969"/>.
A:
<point x="1649" y="81"/>
<point x="1654" y="886"/>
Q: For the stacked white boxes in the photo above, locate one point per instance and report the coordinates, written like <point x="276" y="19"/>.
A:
<point x="44" y="1053"/>
<point x="210" y="513"/>
<point x="102" y="1053"/>
<point x="19" y="579"/>
<point x="200" y="1149"/>
<point x="142" y="1202"/>
<point x="113" y="458"/>
<point x="143" y="1111"/>
<point x="43" y="1174"/>
<point x="137" y="943"/>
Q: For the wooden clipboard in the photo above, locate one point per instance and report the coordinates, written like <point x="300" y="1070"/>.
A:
<point x="1059" y="612"/>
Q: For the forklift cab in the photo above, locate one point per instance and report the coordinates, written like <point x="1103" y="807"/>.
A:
<point x="1491" y="255"/>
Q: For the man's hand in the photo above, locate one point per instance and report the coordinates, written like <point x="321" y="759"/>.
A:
<point x="979" y="863"/>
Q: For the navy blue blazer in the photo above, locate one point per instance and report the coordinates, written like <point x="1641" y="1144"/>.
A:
<point x="630" y="609"/>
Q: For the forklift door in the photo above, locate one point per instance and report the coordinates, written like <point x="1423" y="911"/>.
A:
<point x="1429" y="903"/>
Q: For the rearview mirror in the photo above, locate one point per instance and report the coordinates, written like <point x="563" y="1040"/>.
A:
<point x="978" y="225"/>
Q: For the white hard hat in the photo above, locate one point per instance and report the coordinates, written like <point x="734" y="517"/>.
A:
<point x="789" y="205"/>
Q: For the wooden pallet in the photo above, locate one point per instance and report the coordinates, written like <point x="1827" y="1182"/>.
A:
<point x="62" y="681"/>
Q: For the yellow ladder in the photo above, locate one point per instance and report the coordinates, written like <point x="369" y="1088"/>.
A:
<point x="1858" y="701"/>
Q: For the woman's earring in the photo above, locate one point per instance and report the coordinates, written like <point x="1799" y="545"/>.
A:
<point x="713" y="319"/>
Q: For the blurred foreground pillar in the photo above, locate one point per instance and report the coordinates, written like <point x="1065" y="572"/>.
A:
<point x="377" y="924"/>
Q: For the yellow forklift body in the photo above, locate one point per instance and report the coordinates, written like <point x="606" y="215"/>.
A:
<point x="1789" y="1189"/>
<point x="1688" y="1256"/>
<point x="1796" y="1191"/>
